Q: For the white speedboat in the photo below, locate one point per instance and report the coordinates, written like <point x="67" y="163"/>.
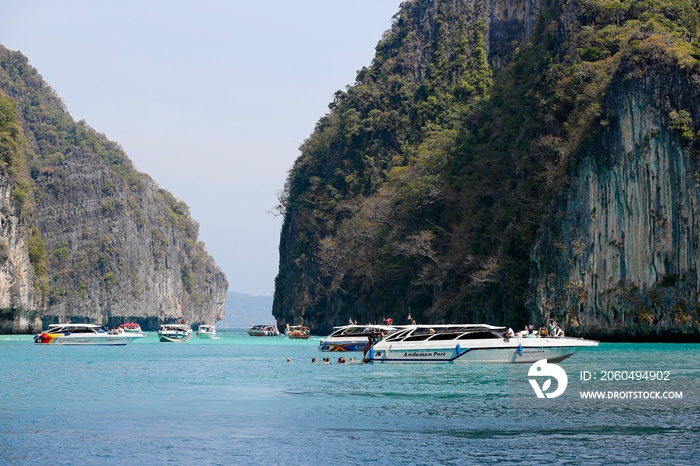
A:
<point x="131" y="327"/>
<point x="206" y="332"/>
<point x="263" y="330"/>
<point x="470" y="343"/>
<point x="83" y="334"/>
<point x="174" y="332"/>
<point x="354" y="337"/>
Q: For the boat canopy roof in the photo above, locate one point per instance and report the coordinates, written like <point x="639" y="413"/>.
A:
<point x="446" y="332"/>
<point x="347" y="330"/>
<point x="262" y="326"/>
<point x="174" y="327"/>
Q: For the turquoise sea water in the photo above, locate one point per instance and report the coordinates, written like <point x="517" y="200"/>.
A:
<point x="237" y="401"/>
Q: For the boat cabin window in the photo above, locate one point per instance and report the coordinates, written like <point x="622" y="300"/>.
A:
<point x="479" y="336"/>
<point x="398" y="336"/>
<point x="82" y="330"/>
<point x="445" y="336"/>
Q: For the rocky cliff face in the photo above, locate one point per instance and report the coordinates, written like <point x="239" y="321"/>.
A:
<point x="434" y="24"/>
<point x="17" y="280"/>
<point x="619" y="255"/>
<point x="138" y="250"/>
<point x="91" y="239"/>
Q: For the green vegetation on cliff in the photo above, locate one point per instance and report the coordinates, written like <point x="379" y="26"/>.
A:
<point x="424" y="188"/>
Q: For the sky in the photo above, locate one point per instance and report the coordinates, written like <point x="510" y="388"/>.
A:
<point x="212" y="99"/>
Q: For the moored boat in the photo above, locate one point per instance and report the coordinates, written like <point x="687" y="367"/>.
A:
<point x="206" y="332"/>
<point x="263" y="330"/>
<point x="298" y="332"/>
<point x="131" y="327"/>
<point x="354" y="337"/>
<point x="83" y="334"/>
<point x="174" y="333"/>
<point x="470" y="343"/>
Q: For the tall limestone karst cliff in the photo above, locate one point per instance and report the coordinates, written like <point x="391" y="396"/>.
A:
<point x="507" y="162"/>
<point x="85" y="236"/>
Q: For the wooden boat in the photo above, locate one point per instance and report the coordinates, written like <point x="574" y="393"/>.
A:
<point x="298" y="332"/>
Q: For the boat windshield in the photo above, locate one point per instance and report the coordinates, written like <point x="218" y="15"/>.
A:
<point x="74" y="329"/>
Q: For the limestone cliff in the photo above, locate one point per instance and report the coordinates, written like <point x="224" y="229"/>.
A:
<point x="619" y="256"/>
<point x="91" y="239"/>
<point x="19" y="297"/>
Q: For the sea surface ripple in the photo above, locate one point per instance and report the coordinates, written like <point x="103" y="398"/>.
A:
<point x="237" y="400"/>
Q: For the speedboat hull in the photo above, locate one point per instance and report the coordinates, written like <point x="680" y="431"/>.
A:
<point x="514" y="350"/>
<point x="80" y="340"/>
<point x="174" y="337"/>
<point x="344" y="346"/>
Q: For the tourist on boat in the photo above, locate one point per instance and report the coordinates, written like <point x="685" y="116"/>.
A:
<point x="390" y="321"/>
<point x="509" y="333"/>
<point x="543" y="330"/>
<point x="558" y="332"/>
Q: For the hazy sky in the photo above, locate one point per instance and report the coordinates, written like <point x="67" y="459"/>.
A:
<point x="210" y="98"/>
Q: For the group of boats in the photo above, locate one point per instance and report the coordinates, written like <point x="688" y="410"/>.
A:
<point x="295" y="332"/>
<point x="91" y="334"/>
<point x="454" y="343"/>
